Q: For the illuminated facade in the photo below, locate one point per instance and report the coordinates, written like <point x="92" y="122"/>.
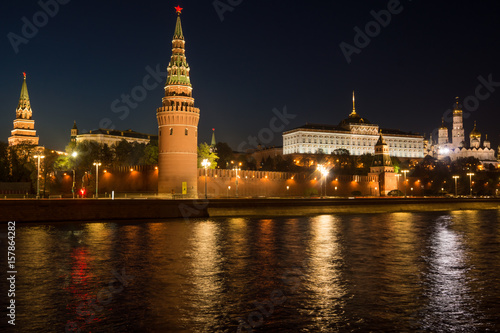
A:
<point x="24" y="126"/>
<point x="111" y="137"/>
<point x="178" y="125"/>
<point x="457" y="146"/>
<point x="355" y="134"/>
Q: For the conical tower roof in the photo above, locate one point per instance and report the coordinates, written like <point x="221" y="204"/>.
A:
<point x="213" y="143"/>
<point x="178" y="68"/>
<point x="381" y="140"/>
<point x="178" y="28"/>
<point x="24" y="98"/>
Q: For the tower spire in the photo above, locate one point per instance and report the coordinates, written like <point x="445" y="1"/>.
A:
<point x="24" y="98"/>
<point x="213" y="143"/>
<point x="353" y="104"/>
<point x="178" y="26"/>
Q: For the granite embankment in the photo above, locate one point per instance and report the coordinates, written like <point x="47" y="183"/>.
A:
<point x="63" y="210"/>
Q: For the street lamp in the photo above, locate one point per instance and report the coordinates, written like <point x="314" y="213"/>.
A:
<point x="470" y="174"/>
<point x="97" y="164"/>
<point x="324" y="172"/>
<point x="228" y="188"/>
<point x="38" y="175"/>
<point x="74" y="154"/>
<point x="456" y="178"/>
<point x="399" y="176"/>
<point x="236" y="169"/>
<point x="206" y="164"/>
<point x="404" y="177"/>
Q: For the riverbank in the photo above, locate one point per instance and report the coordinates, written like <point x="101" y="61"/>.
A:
<point x="61" y="210"/>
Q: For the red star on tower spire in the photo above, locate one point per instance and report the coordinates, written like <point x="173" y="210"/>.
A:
<point x="24" y="73"/>
<point x="178" y="9"/>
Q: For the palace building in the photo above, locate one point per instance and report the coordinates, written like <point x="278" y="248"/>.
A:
<point x="457" y="147"/>
<point x="178" y="125"/>
<point x="354" y="134"/>
<point x="24" y="126"/>
<point x="111" y="137"/>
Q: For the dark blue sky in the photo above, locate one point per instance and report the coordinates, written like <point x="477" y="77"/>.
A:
<point x="263" y="55"/>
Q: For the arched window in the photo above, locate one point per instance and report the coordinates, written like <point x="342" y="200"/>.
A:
<point x="186" y="131"/>
<point x="171" y="131"/>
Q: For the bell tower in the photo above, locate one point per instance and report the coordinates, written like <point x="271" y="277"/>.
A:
<point x="457" y="133"/>
<point x="178" y="125"/>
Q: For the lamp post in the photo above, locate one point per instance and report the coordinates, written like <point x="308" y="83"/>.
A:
<point x="38" y="175"/>
<point x="456" y="178"/>
<point x="404" y="177"/>
<point x="97" y="164"/>
<point x="206" y="164"/>
<point x="74" y="154"/>
<point x="397" y="175"/>
<point x="324" y="172"/>
<point x="470" y="174"/>
<point x="236" y="169"/>
<point x="228" y="188"/>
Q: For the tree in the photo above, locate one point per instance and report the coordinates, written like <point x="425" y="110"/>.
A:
<point x="225" y="154"/>
<point x="4" y="162"/>
<point x="151" y="153"/>
<point x="205" y="152"/>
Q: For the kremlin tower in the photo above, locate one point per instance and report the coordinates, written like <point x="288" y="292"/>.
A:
<point x="24" y="126"/>
<point x="178" y="125"/>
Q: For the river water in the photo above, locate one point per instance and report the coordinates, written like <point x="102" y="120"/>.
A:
<point x="398" y="272"/>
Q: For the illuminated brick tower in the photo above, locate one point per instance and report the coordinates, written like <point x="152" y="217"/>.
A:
<point x="383" y="168"/>
<point x="24" y="126"/>
<point x="178" y="125"/>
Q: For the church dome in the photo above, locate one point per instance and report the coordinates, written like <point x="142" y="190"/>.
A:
<point x="475" y="133"/>
<point x="354" y="118"/>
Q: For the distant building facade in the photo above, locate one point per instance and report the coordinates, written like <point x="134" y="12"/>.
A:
<point x="354" y="134"/>
<point x="458" y="147"/>
<point x="111" y="137"/>
<point x="24" y="126"/>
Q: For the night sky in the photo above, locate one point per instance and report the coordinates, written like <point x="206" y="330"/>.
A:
<point x="263" y="55"/>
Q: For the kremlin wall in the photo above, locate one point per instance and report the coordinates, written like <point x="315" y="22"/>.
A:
<point x="142" y="181"/>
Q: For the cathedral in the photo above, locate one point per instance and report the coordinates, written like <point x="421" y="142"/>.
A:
<point x="458" y="147"/>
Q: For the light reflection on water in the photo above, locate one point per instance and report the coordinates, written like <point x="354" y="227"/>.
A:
<point x="386" y="272"/>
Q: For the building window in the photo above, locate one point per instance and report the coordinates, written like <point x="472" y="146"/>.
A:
<point x="171" y="131"/>
<point x="186" y="131"/>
